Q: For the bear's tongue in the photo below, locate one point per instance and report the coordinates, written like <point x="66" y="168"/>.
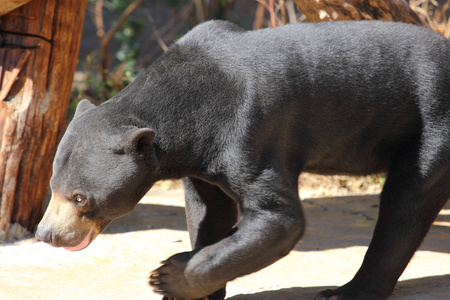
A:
<point x="86" y="241"/>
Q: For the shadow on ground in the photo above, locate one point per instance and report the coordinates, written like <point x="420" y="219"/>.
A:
<point x="149" y="216"/>
<point x="332" y="222"/>
<point x="402" y="291"/>
<point x="342" y="222"/>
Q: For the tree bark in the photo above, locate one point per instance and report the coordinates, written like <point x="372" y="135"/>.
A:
<point x="39" y="45"/>
<point x="8" y="5"/>
<point x="332" y="10"/>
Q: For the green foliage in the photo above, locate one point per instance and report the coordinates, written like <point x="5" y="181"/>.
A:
<point x="382" y="180"/>
<point x="117" y="5"/>
<point x="99" y="85"/>
<point x="129" y="48"/>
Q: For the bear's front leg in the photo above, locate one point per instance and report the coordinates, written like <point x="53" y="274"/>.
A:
<point x="210" y="215"/>
<point x="271" y="224"/>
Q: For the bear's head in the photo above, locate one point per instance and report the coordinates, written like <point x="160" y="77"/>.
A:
<point x="100" y="172"/>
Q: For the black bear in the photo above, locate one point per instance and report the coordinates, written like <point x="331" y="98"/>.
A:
<point x="239" y="115"/>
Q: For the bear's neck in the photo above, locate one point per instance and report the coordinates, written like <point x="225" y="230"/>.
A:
<point x="191" y="114"/>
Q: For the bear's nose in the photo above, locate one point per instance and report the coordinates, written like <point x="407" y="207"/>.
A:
<point x="45" y="234"/>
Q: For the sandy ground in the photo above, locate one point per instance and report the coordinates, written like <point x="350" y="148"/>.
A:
<point x="117" y="264"/>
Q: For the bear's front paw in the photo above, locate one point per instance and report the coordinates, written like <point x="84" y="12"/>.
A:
<point x="169" y="280"/>
<point x="172" y="281"/>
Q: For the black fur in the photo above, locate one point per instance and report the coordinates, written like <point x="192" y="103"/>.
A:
<point x="240" y="114"/>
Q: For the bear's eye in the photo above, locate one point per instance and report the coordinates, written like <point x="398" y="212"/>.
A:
<point x="80" y="199"/>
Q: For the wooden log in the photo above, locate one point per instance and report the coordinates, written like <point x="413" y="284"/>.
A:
<point x="39" y="48"/>
<point x="333" y="10"/>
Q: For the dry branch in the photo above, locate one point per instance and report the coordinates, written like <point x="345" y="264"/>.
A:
<point x="330" y="10"/>
<point x="106" y="37"/>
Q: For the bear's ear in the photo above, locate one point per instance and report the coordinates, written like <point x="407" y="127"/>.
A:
<point x="139" y="140"/>
<point x="83" y="105"/>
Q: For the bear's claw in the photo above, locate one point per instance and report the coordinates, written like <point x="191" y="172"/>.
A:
<point x="170" y="281"/>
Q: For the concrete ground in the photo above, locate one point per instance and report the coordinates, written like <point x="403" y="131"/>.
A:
<point x="116" y="265"/>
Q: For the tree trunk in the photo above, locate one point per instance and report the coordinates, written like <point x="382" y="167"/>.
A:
<point x="332" y="10"/>
<point x="39" y="45"/>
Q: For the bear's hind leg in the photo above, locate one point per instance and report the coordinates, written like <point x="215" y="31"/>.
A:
<point x="410" y="202"/>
